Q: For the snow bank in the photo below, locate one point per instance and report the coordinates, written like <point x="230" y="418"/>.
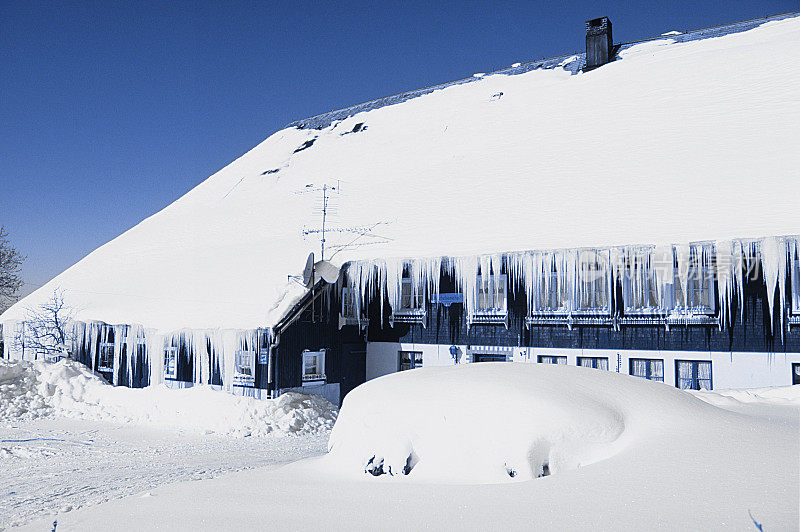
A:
<point x="777" y="395"/>
<point x="66" y="388"/>
<point x="486" y="423"/>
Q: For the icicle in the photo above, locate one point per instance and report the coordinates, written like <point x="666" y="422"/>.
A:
<point x="465" y="271"/>
<point x="738" y="269"/>
<point x="773" y="263"/>
<point x="725" y="272"/>
<point x="682" y="256"/>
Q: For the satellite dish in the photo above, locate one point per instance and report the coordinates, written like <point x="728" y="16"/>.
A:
<point x="308" y="271"/>
<point x="326" y="271"/>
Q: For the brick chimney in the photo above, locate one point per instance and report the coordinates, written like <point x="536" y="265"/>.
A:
<point x="599" y="43"/>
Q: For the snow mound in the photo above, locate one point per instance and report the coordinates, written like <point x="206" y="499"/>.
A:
<point x="486" y="423"/>
<point x="35" y="389"/>
<point x="777" y="395"/>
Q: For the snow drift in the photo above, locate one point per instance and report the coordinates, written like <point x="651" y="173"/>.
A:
<point x="34" y="389"/>
<point x="674" y="142"/>
<point x="494" y="422"/>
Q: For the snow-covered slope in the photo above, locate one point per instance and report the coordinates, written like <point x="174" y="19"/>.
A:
<point x="671" y="143"/>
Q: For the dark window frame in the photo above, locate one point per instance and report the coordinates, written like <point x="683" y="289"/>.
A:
<point x="695" y="379"/>
<point x="553" y="359"/>
<point x="649" y="374"/>
<point x="595" y="361"/>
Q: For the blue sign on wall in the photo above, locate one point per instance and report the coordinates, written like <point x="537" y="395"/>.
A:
<point x="263" y="356"/>
<point x="449" y="299"/>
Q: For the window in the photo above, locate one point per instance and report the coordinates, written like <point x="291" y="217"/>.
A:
<point x="409" y="360"/>
<point x="349" y="303"/>
<point x="592" y="292"/>
<point x="586" y="292"/>
<point x="796" y="373"/>
<point x="244" y="368"/>
<point x="548" y="359"/>
<point x="313" y="366"/>
<point x="171" y="363"/>
<point x="697" y="297"/>
<point x="693" y="374"/>
<point x="794" y="247"/>
<point x="491" y="294"/>
<point x="647" y="368"/>
<point x="593" y="362"/>
<point x="639" y="280"/>
<point x="105" y="361"/>
<point x="409" y="301"/>
<point x="553" y="296"/>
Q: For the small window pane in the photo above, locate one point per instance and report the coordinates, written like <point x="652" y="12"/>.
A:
<point x="408" y="299"/>
<point x="491" y="296"/>
<point x="549" y="359"/>
<point x="647" y="368"/>
<point x="693" y="374"/>
<point x="409" y="360"/>
<point x="171" y="362"/>
<point x="593" y="362"/>
<point x="106" y="357"/>
<point x="348" y="303"/>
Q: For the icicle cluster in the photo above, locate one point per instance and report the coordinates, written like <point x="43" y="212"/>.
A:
<point x="554" y="281"/>
<point x="571" y="280"/>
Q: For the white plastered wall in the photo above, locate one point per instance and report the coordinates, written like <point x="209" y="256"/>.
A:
<point x="729" y="369"/>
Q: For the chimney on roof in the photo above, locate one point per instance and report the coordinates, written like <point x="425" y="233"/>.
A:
<point x="599" y="43"/>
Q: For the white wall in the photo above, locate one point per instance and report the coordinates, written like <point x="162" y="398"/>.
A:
<point x="729" y="370"/>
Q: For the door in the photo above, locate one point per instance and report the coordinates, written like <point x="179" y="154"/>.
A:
<point x="354" y="368"/>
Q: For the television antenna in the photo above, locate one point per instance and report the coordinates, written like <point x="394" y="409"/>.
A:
<point x="326" y="189"/>
<point x="326" y="208"/>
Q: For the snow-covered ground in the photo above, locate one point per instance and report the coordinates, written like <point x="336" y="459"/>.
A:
<point x="68" y="439"/>
<point x="624" y="454"/>
<point x="52" y="465"/>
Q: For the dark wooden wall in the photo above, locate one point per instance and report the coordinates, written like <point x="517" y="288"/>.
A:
<point x="750" y="331"/>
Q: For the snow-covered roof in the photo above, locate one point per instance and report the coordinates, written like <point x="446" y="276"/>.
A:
<point x="683" y="138"/>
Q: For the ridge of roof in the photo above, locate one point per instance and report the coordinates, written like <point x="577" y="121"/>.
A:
<point x="573" y="63"/>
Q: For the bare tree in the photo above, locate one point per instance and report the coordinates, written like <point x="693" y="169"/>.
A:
<point x="10" y="279"/>
<point x="47" y="329"/>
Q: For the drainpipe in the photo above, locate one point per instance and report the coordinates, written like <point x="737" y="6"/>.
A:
<point x="272" y="366"/>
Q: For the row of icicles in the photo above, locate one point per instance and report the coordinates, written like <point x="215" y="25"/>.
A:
<point x="565" y="271"/>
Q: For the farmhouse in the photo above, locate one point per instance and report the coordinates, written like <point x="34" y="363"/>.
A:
<point x="633" y="208"/>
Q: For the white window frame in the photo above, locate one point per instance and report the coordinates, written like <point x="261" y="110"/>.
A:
<point x="498" y="280"/>
<point x="416" y="312"/>
<point x="103" y="347"/>
<point x="706" y="277"/>
<point x="317" y="376"/>
<point x="348" y="311"/>
<point x="603" y="260"/>
<point x="244" y="368"/>
<point x="416" y="301"/>
<point x="170" y="370"/>
<point x="569" y="296"/>
<point x="650" y="270"/>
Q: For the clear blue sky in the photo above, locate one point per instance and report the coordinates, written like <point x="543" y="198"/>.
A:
<point x="109" y="110"/>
